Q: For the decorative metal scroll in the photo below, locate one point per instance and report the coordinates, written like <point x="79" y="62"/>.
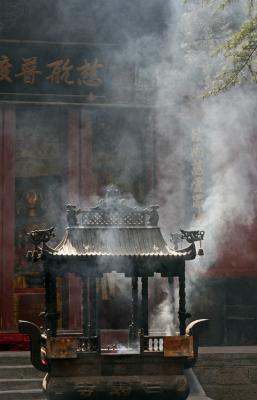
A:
<point x="112" y="211"/>
<point x="41" y="236"/>
<point x="37" y="237"/>
<point x="192" y="236"/>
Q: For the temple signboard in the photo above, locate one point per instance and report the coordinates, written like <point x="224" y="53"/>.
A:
<point x="55" y="72"/>
<point x="72" y="73"/>
<point x="61" y="71"/>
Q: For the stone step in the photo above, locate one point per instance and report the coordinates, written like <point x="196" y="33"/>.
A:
<point x="19" y="380"/>
<point x="14" y="358"/>
<point x="32" y="394"/>
<point x="20" y="372"/>
<point x="17" y="384"/>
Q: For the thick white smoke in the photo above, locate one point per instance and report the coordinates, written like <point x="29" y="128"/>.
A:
<point x="226" y="124"/>
<point x="179" y="63"/>
<point x="227" y="130"/>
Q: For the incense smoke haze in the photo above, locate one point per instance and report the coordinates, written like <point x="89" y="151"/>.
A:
<point x="226" y="125"/>
<point x="227" y="130"/>
<point x="177" y="64"/>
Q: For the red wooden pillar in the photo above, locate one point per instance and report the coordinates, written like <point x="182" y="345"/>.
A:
<point x="79" y="188"/>
<point x="73" y="197"/>
<point x="7" y="216"/>
<point x="86" y="157"/>
<point x="73" y="157"/>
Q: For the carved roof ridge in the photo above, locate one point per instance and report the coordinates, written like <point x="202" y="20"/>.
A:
<point x="112" y="210"/>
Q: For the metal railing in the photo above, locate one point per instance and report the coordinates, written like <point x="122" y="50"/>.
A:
<point x="89" y="344"/>
<point x="151" y="344"/>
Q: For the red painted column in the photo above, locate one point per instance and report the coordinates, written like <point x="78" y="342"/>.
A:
<point x="79" y="189"/>
<point x="7" y="216"/>
<point x="1" y="217"/>
<point x="73" y="197"/>
<point x="73" y="156"/>
<point x="86" y="157"/>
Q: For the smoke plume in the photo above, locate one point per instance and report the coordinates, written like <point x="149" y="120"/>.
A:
<point x="174" y="63"/>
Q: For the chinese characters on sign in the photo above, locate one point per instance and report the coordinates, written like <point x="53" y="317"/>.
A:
<point x="29" y="70"/>
<point x="5" y="69"/>
<point x="58" y="71"/>
<point x="88" y="74"/>
<point x="197" y="173"/>
<point x="61" y="72"/>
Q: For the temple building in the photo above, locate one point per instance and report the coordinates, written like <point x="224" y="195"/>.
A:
<point x="78" y="114"/>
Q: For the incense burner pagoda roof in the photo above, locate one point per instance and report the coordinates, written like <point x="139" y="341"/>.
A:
<point x="114" y="228"/>
<point x="118" y="241"/>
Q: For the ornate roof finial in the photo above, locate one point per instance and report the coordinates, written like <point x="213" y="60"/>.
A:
<point x="37" y="237"/>
<point x="194" y="236"/>
<point x="113" y="192"/>
<point x="153" y="216"/>
<point x="176" y="238"/>
<point x="72" y="213"/>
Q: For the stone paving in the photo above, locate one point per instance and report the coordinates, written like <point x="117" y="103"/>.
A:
<point x="228" y="373"/>
<point x="225" y="373"/>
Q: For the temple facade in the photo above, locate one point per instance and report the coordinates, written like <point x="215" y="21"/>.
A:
<point x="78" y="113"/>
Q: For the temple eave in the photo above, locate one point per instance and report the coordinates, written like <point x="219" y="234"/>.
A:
<point x="119" y="242"/>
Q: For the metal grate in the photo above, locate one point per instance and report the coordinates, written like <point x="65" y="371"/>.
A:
<point x="112" y="211"/>
<point x="113" y="218"/>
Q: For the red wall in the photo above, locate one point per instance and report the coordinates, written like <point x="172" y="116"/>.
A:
<point x="238" y="257"/>
<point x="7" y="216"/>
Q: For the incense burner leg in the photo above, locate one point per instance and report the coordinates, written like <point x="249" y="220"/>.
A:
<point x="183" y="315"/>
<point x="85" y="305"/>
<point x="92" y="306"/>
<point x="33" y="331"/>
<point x="195" y="328"/>
<point x="133" y="327"/>
<point x="51" y="315"/>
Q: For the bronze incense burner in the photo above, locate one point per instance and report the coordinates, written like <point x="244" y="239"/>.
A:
<point x="112" y="237"/>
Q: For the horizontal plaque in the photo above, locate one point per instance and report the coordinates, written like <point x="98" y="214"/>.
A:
<point x="178" y="346"/>
<point x="60" y="72"/>
<point x="62" y="347"/>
